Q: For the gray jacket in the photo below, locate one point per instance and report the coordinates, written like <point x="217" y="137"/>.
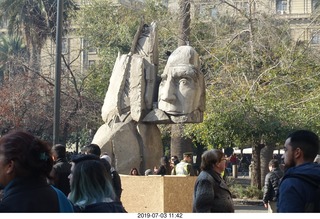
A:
<point x="211" y="194"/>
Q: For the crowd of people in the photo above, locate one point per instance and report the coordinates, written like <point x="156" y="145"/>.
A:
<point x="35" y="177"/>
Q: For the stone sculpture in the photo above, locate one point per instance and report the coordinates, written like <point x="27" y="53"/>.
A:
<point x="130" y="134"/>
<point x="182" y="90"/>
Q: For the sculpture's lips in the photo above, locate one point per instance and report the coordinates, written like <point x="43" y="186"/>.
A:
<point x="176" y="113"/>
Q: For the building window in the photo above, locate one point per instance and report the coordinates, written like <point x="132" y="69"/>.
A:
<point x="281" y="6"/>
<point x="91" y="63"/>
<point x="92" y="50"/>
<point x="64" y="46"/>
<point x="315" y="38"/>
<point x="245" y="6"/>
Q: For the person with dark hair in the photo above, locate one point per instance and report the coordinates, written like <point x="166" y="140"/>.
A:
<point x="91" y="186"/>
<point x="164" y="168"/>
<point x="211" y="193"/>
<point x="173" y="162"/>
<point x="134" y="172"/>
<point x="296" y="192"/>
<point x="61" y="169"/>
<point x="93" y="149"/>
<point x="184" y="167"/>
<point x="271" y="186"/>
<point x="25" y="165"/>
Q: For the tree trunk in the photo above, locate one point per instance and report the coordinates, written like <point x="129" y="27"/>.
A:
<point x="35" y="62"/>
<point x="179" y="145"/>
<point x="256" y="169"/>
<point x="184" y="22"/>
<point x="265" y="157"/>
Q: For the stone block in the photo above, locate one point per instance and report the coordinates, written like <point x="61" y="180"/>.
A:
<point x="157" y="194"/>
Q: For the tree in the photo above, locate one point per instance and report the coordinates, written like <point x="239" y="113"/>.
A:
<point x="254" y="83"/>
<point x="12" y="56"/>
<point x="35" y="20"/>
<point x="180" y="143"/>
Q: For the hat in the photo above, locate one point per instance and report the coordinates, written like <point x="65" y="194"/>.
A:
<point x="82" y="157"/>
<point x="107" y="158"/>
<point x="188" y="154"/>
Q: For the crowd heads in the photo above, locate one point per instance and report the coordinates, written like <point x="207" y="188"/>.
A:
<point x="26" y="165"/>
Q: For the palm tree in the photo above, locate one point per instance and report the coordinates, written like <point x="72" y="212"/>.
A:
<point x="34" y="20"/>
<point x="13" y="53"/>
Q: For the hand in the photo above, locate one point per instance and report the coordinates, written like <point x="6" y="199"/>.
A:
<point x="266" y="205"/>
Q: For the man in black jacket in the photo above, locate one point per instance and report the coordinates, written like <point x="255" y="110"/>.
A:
<point x="61" y="169"/>
<point x="271" y="186"/>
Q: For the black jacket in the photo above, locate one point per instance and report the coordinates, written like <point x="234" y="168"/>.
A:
<point x="107" y="207"/>
<point x="29" y="195"/>
<point x="271" y="185"/>
<point x="60" y="173"/>
<point x="116" y="181"/>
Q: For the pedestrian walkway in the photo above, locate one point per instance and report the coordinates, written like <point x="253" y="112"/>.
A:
<point x="250" y="208"/>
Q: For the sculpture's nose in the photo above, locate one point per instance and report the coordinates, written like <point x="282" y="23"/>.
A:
<point x="168" y="91"/>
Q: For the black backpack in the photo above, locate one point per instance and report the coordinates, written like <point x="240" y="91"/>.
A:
<point x="315" y="206"/>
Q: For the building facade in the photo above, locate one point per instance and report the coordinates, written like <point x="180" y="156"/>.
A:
<point x="299" y="13"/>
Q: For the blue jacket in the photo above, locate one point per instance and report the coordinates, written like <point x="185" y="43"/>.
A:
<point x="29" y="195"/>
<point x="294" y="193"/>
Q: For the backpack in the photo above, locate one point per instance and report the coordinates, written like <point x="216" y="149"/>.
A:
<point x="315" y="206"/>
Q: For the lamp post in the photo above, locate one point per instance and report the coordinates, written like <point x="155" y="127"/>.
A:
<point x="56" y="122"/>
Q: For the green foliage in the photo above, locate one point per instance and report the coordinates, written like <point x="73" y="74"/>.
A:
<point x="245" y="192"/>
<point x="256" y="91"/>
<point x="80" y="138"/>
<point x="12" y="56"/>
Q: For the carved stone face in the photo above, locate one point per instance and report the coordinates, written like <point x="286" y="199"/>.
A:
<point x="181" y="90"/>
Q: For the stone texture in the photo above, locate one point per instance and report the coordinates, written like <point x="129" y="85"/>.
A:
<point x="130" y="144"/>
<point x="158" y="194"/>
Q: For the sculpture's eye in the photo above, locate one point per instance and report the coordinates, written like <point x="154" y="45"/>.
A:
<point x="163" y="81"/>
<point x="183" y="81"/>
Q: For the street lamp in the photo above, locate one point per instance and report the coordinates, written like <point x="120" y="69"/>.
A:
<point x="56" y="122"/>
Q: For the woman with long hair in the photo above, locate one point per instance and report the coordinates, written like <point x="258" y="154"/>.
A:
<point x="91" y="186"/>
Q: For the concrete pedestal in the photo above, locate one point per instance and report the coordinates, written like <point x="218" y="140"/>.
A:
<point x="158" y="194"/>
